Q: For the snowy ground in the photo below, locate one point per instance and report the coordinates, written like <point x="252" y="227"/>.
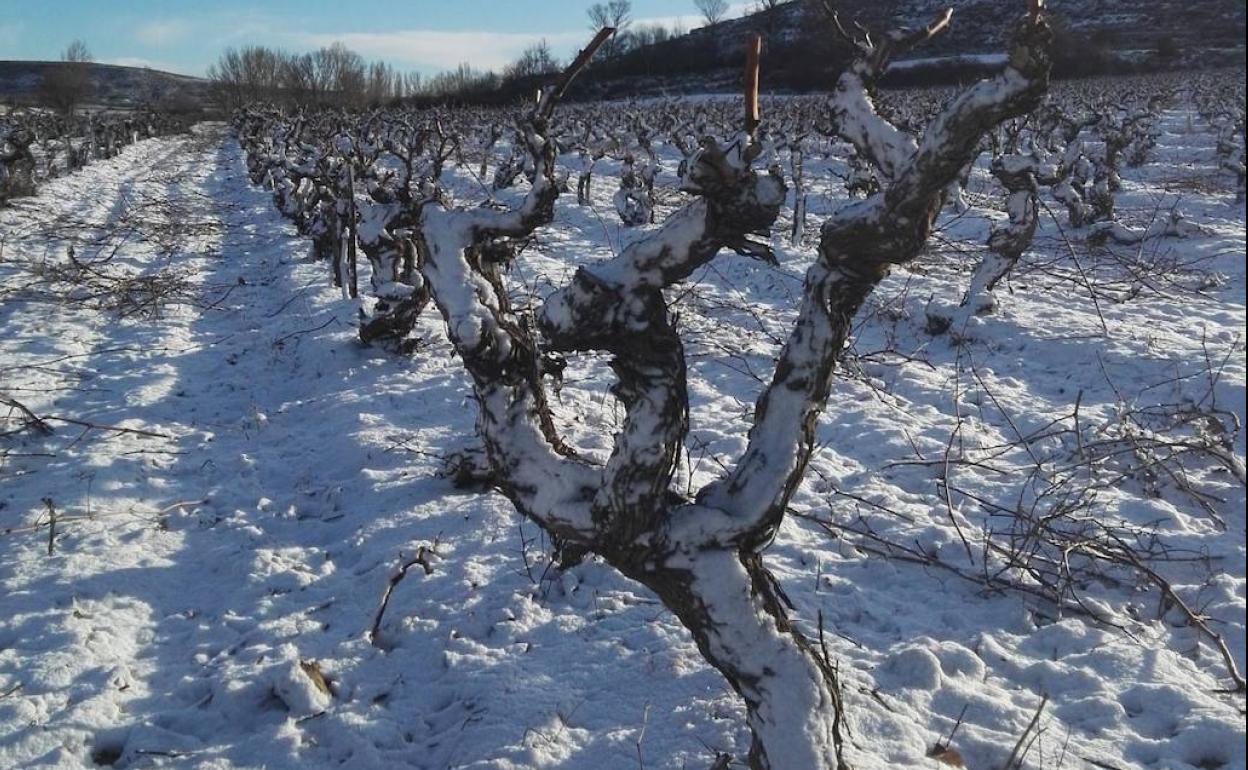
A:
<point x="204" y="575"/>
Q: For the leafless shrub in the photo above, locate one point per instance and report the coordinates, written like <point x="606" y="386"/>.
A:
<point x="67" y="84"/>
<point x="713" y="11"/>
<point x="1057" y="537"/>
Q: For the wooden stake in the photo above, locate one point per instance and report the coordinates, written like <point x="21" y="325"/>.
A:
<point x="753" y="55"/>
<point x="548" y="98"/>
<point x="353" y="285"/>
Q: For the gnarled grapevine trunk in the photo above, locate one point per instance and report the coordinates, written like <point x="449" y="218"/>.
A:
<point x="728" y="601"/>
<point x="1009" y="241"/>
<point x="703" y="557"/>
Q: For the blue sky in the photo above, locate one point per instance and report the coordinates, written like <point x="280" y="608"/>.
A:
<point x="425" y="35"/>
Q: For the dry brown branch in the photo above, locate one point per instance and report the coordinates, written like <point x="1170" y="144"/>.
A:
<point x="30" y="420"/>
<point x="1194" y="619"/>
<point x="421" y="558"/>
<point x="51" y="525"/>
<point x="109" y="428"/>
<point x="1055" y="538"/>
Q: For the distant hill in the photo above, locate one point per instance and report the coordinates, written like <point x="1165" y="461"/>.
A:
<point x="1094" y="37"/>
<point x="114" y="87"/>
<point x="980" y="26"/>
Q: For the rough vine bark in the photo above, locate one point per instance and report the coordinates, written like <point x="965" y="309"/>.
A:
<point x="702" y="556"/>
<point x="1010" y="239"/>
<point x="17" y="166"/>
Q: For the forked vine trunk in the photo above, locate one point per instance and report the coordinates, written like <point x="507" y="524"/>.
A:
<point x="703" y="557"/>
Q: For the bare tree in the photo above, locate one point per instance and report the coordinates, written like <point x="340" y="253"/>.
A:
<point x="413" y="83"/>
<point x="77" y="52"/>
<point x="713" y="11"/>
<point x="703" y="556"/>
<point x="535" y="60"/>
<point x="254" y="73"/>
<point x="650" y="34"/>
<point x="614" y="14"/>
<point x="341" y="73"/>
<point x="333" y="75"/>
<point x="299" y="76"/>
<point x="65" y="85"/>
<point x="381" y="83"/>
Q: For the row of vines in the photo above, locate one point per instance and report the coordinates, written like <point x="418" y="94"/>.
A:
<point x="440" y="202"/>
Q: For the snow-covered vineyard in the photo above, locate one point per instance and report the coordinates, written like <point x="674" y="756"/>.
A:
<point x="880" y="430"/>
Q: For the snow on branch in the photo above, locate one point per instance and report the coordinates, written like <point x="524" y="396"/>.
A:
<point x="465" y="251"/>
<point x="853" y="112"/>
<point x="618" y="306"/>
<point x="859" y="243"/>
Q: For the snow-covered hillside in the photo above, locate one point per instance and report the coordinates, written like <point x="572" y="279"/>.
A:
<point x="112" y="86"/>
<point x="1123" y="25"/>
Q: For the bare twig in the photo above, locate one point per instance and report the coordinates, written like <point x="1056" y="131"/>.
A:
<point x="1015" y="762"/>
<point x="51" y="525"/>
<point x="421" y="558"/>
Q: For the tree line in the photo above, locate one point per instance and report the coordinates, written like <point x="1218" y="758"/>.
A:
<point x="806" y="58"/>
<point x="337" y="76"/>
<point x="330" y="76"/>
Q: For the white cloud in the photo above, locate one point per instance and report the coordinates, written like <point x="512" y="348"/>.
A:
<point x="439" y="50"/>
<point x="162" y="32"/>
